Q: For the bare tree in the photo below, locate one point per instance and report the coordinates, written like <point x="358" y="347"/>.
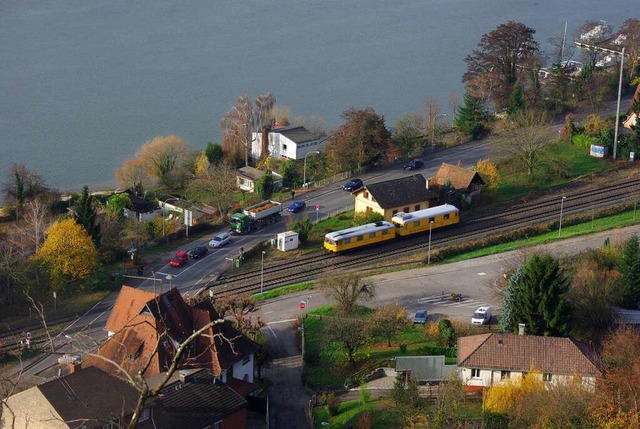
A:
<point x="21" y="186"/>
<point x="346" y="290"/>
<point x="631" y="30"/>
<point x="527" y="133"/>
<point x="352" y="334"/>
<point x="37" y="218"/>
<point x="389" y="320"/>
<point x="216" y="187"/>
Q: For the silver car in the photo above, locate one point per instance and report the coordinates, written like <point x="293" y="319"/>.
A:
<point x="220" y="240"/>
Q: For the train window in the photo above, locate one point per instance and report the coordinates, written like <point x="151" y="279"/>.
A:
<point x="395" y="212"/>
<point x="372" y="234"/>
<point x="432" y="219"/>
<point x="417" y="207"/>
<point x="360" y="237"/>
<point x="446" y="217"/>
<point x="416" y="223"/>
<point x="385" y="231"/>
<point x="406" y="209"/>
<point x="347" y="240"/>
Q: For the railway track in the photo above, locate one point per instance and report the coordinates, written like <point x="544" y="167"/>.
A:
<point x="579" y="200"/>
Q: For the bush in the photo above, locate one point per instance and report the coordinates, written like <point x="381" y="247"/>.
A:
<point x="403" y="348"/>
<point x="583" y="140"/>
<point x="333" y="403"/>
<point x="312" y="357"/>
<point x="366" y="217"/>
<point x="447" y="333"/>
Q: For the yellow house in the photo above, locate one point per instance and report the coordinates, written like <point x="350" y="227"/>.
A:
<point x="406" y="194"/>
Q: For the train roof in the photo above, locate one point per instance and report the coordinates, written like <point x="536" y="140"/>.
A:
<point x="403" y="217"/>
<point x="359" y="230"/>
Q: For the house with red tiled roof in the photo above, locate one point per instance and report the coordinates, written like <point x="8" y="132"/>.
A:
<point x="488" y="359"/>
<point x="464" y="180"/>
<point x="145" y="330"/>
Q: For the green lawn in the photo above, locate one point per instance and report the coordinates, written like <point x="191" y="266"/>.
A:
<point x="333" y="369"/>
<point x="382" y="411"/>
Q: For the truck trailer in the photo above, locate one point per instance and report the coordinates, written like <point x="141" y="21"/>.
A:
<point x="255" y="216"/>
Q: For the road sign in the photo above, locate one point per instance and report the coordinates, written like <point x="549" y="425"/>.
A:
<point x="317" y="206"/>
<point x="302" y="305"/>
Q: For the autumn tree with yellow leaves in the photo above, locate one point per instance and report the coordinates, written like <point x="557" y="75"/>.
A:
<point x="489" y="173"/>
<point x="68" y="254"/>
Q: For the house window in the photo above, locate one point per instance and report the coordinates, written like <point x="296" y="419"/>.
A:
<point x="366" y="195"/>
<point x="246" y="360"/>
<point x="505" y="375"/>
<point x="145" y="415"/>
<point x="546" y="376"/>
<point x="475" y="373"/>
<point x="417" y="207"/>
<point x="284" y="146"/>
<point x="369" y="209"/>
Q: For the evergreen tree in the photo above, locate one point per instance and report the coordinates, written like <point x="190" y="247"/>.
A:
<point x="264" y="186"/>
<point x="629" y="267"/>
<point x="505" y="320"/>
<point x="516" y="101"/>
<point x="87" y="217"/>
<point x="471" y="117"/>
<point x="540" y="300"/>
<point x="214" y="153"/>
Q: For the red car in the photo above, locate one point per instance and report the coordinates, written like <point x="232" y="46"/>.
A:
<point x="179" y="259"/>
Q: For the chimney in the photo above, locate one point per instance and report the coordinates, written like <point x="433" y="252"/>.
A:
<point x="521" y="328"/>
<point x="74" y="367"/>
<point x="265" y="142"/>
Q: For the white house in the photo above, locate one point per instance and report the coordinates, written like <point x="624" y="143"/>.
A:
<point x="247" y="177"/>
<point x="488" y="359"/>
<point x="291" y="142"/>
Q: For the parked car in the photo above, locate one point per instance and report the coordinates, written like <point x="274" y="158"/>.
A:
<point x="297" y="206"/>
<point x="72" y="359"/>
<point x="414" y="164"/>
<point x="482" y="316"/>
<point x="198" y="252"/>
<point x="420" y="317"/>
<point x="220" y="240"/>
<point x="179" y="259"/>
<point x="353" y="185"/>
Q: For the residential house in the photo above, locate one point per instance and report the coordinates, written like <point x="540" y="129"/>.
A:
<point x="145" y="330"/>
<point x="92" y="398"/>
<point x="488" y="359"/>
<point x="141" y="209"/>
<point x="248" y="176"/>
<point x="632" y="117"/>
<point x="406" y="194"/>
<point x="170" y="204"/>
<point x="89" y="398"/>
<point x="464" y="180"/>
<point x="292" y="142"/>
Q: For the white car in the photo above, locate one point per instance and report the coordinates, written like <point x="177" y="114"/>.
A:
<point x="220" y="240"/>
<point x="482" y="316"/>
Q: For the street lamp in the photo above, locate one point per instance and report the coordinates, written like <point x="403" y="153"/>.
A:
<point x="433" y="128"/>
<point x="304" y="169"/>
<point x="621" y="53"/>
<point x="262" y="274"/>
<point x="164" y="204"/>
<point x="429" y="251"/>
<point x="170" y="278"/>
<point x="561" y="208"/>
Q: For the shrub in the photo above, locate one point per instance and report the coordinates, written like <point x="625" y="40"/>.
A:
<point x="333" y="403"/>
<point x="312" y="356"/>
<point x="366" y="217"/>
<point x="583" y="140"/>
<point x="403" y="348"/>
<point x="447" y="333"/>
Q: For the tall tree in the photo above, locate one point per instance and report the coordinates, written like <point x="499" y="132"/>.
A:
<point x="215" y="187"/>
<point x="389" y="320"/>
<point x="472" y="117"/>
<point x="86" y="215"/>
<point x="214" y="153"/>
<point x="629" y="266"/>
<point x="352" y="334"/>
<point x="265" y="186"/>
<point x="362" y="139"/>
<point x="159" y="162"/>
<point x="540" y="300"/>
<point x="21" y="186"/>
<point x="631" y="30"/>
<point x="346" y="290"/>
<point x="68" y="253"/>
<point x="501" y="57"/>
<point x="408" y="134"/>
<point x="527" y="133"/>
<point x="516" y="102"/>
<point x="37" y="218"/>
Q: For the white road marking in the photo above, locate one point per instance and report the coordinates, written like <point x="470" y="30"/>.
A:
<point x="482" y="274"/>
<point x="281" y="321"/>
<point x="272" y="333"/>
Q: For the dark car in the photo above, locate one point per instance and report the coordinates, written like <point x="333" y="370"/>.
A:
<point x="414" y="164"/>
<point x="198" y="252"/>
<point x="420" y="317"/>
<point x="353" y="185"/>
<point x="297" y="206"/>
<point x="179" y="259"/>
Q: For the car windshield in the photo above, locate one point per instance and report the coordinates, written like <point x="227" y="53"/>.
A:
<point x="478" y="315"/>
<point x="217" y="239"/>
<point x="420" y="314"/>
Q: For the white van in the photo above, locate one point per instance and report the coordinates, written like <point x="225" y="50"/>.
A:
<point x="482" y="316"/>
<point x="220" y="240"/>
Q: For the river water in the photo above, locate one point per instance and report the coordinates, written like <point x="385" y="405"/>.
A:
<point x="84" y="83"/>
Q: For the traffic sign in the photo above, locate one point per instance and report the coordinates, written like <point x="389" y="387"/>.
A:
<point x="302" y="305"/>
<point x="317" y="206"/>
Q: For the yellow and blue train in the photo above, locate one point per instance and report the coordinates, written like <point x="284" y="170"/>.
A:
<point x="402" y="224"/>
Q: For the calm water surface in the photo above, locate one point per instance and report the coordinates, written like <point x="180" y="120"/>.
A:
<point x="84" y="83"/>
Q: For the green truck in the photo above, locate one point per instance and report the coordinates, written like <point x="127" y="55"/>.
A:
<point x="255" y="217"/>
